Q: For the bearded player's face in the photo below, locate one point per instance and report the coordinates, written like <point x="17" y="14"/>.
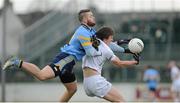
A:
<point x="90" y="19"/>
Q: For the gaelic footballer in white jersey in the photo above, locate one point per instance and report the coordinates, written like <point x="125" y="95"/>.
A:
<point x="94" y="83"/>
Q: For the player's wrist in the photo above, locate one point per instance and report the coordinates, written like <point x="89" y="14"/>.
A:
<point x="137" y="62"/>
<point x="127" y="51"/>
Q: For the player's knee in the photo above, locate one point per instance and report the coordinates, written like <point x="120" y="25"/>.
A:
<point x="42" y="78"/>
<point x="72" y="90"/>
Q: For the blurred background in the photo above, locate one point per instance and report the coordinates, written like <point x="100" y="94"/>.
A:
<point x="34" y="30"/>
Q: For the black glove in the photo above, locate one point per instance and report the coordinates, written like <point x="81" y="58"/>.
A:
<point x="127" y="51"/>
<point x="136" y="56"/>
<point x="123" y="41"/>
<point x="95" y="42"/>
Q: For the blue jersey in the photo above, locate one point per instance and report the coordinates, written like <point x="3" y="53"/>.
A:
<point x="80" y="42"/>
<point x="151" y="77"/>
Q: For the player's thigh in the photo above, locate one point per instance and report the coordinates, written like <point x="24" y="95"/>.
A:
<point x="71" y="86"/>
<point x="47" y="72"/>
<point x="113" y="95"/>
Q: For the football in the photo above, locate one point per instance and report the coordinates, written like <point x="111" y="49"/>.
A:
<point x="136" y="45"/>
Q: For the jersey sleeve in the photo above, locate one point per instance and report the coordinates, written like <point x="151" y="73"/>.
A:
<point x="116" y="48"/>
<point x="109" y="54"/>
<point x="85" y="41"/>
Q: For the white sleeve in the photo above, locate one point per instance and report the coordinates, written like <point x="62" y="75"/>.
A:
<point x="109" y="54"/>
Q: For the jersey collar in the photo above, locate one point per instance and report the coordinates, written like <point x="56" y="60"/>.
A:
<point x="87" y="27"/>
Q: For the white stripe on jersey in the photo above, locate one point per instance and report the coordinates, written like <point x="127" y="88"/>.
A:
<point x="98" y="61"/>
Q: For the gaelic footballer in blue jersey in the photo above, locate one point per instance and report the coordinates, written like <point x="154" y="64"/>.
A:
<point x="62" y="64"/>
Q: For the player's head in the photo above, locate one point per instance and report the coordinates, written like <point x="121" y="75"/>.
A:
<point x="149" y="67"/>
<point x="87" y="17"/>
<point x="171" y="64"/>
<point x="105" y="34"/>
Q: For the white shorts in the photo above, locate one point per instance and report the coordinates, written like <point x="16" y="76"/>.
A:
<point x="96" y="86"/>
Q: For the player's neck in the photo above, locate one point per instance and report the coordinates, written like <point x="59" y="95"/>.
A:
<point x="86" y="26"/>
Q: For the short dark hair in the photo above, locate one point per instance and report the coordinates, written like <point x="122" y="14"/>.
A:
<point x="81" y="12"/>
<point x="104" y="33"/>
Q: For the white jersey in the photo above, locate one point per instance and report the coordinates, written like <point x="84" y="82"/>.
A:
<point x="175" y="76"/>
<point x="96" y="62"/>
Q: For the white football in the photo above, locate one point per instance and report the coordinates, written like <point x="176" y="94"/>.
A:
<point x="136" y="45"/>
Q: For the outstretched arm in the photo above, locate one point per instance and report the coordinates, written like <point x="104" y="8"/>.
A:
<point x="117" y="45"/>
<point x="117" y="48"/>
<point x="116" y="61"/>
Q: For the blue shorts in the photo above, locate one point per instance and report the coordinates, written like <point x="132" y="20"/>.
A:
<point x="153" y="89"/>
<point x="62" y="66"/>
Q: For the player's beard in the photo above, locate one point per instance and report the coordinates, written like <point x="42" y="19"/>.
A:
<point x="91" y="24"/>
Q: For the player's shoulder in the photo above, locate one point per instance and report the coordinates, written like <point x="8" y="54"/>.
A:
<point x="151" y="70"/>
<point x="105" y="47"/>
<point x="81" y="29"/>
